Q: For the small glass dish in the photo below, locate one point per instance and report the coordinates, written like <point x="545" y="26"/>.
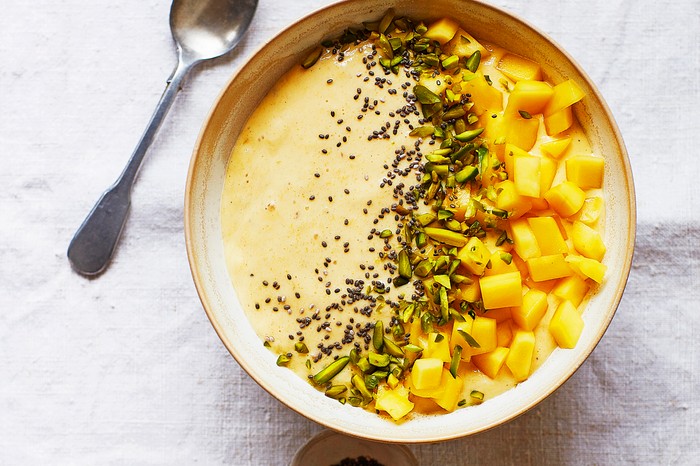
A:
<point x="329" y="448"/>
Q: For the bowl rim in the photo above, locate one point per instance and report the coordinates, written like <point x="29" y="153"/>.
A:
<point x="575" y="364"/>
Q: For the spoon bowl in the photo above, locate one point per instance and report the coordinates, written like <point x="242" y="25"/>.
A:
<point x="202" y="30"/>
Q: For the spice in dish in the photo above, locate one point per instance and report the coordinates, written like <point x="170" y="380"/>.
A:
<point x="412" y="218"/>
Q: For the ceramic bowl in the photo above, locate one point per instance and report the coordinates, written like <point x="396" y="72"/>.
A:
<point x="330" y="447"/>
<point x="203" y="226"/>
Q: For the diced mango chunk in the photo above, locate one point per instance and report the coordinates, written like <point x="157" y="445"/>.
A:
<point x="394" y="401"/>
<point x="485" y="96"/>
<point x="529" y="96"/>
<point x="511" y="151"/>
<point x="508" y="199"/>
<point x="500" y="314"/>
<point x="540" y="203"/>
<point x="519" y="359"/>
<point x="522" y="131"/>
<point x="531" y="311"/>
<point x="525" y="242"/>
<point x="566" y="325"/>
<point x="548" y="267"/>
<point x="442" y="30"/>
<point x="573" y="289"/>
<point x="548" y="235"/>
<point x="521" y="265"/>
<point x="585" y="170"/>
<point x="544" y="285"/>
<point x="548" y="170"/>
<point x="591" y="210"/>
<point x="426" y="372"/>
<point x="565" y="95"/>
<point x="499" y="264"/>
<point x="504" y="332"/>
<point x="474" y="256"/>
<point x="451" y="395"/>
<point x="556" y="147"/>
<point x="492" y="362"/>
<point x="503" y="290"/>
<point x="471" y="293"/>
<point x="559" y="121"/>
<point x="565" y="198"/>
<point x="519" y="68"/>
<point x="484" y="332"/>
<point x="495" y="130"/>
<point x="587" y="268"/>
<point x="438" y="347"/>
<point x="587" y="241"/>
<point x="526" y="175"/>
<point x="429" y="392"/>
<point x="464" y="45"/>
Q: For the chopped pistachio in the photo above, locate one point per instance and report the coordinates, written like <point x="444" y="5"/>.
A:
<point x="444" y="306"/>
<point x="473" y="61"/>
<point x="468" y="173"/>
<point x="392" y="348"/>
<point x="454" y="112"/>
<point x="404" y="264"/>
<point x="456" y="357"/>
<point x="283" y="359"/>
<point x="426" y="218"/>
<point x="425" y="96"/>
<point x="412" y="348"/>
<point x="386" y="46"/>
<point x="469" y="339"/>
<point x="300" y="347"/>
<point x="386" y="21"/>
<point x="444" y="280"/>
<point x="364" y="365"/>
<point x="450" y="62"/>
<point x="423" y="268"/>
<point x="469" y="135"/>
<point x="422" y="131"/>
<point x="378" y="360"/>
<point x="446" y="236"/>
<point x="359" y="384"/>
<point x="421" y="239"/>
<point x="378" y="335"/>
<point x="335" y="391"/>
<point x="312" y="58"/>
<point x="331" y="370"/>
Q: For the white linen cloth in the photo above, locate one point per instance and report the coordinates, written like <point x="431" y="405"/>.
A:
<point x="126" y="369"/>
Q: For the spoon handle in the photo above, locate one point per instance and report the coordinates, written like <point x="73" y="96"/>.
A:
<point x="94" y="242"/>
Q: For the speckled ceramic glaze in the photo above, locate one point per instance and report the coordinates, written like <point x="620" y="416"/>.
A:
<point x="203" y="225"/>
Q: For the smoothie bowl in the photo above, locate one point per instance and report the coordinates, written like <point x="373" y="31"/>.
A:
<point x="410" y="221"/>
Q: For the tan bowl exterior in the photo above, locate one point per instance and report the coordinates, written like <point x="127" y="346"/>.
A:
<point x="203" y="226"/>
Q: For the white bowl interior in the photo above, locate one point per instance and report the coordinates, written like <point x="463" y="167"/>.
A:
<point x="205" y="246"/>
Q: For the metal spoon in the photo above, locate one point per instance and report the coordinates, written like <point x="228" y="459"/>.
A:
<point x="202" y="29"/>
